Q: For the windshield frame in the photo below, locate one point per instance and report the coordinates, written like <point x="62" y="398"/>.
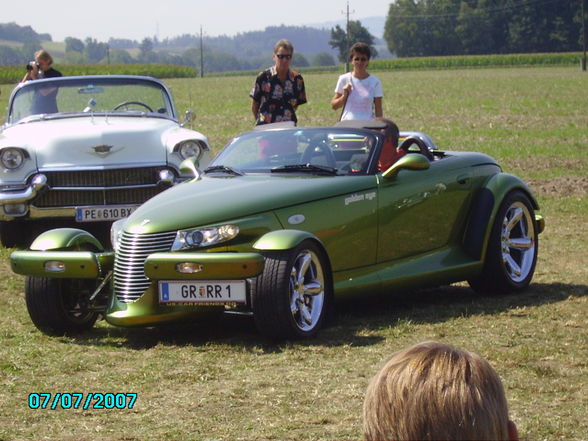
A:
<point x="88" y="81"/>
<point x="373" y="142"/>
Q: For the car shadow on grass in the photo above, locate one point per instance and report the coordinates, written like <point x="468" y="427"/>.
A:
<point x="356" y="321"/>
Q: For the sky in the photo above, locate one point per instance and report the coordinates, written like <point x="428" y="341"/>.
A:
<point x="137" y="19"/>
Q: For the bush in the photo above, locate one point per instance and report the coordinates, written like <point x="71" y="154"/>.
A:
<point x="13" y="74"/>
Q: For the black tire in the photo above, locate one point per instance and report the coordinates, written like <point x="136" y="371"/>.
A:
<point x="60" y="306"/>
<point x="290" y="298"/>
<point x="13" y="234"/>
<point x="511" y="255"/>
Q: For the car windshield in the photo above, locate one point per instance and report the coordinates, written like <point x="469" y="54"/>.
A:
<point x="77" y="95"/>
<point x="299" y="150"/>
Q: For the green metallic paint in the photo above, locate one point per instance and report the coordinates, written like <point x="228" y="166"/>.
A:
<point x="162" y="266"/>
<point x="282" y="240"/>
<point x="411" y="161"/>
<point x="216" y="200"/>
<point x="147" y="311"/>
<point x="78" y="264"/>
<point x="445" y="265"/>
<point x="340" y="223"/>
<point x="189" y="167"/>
<point x="500" y="185"/>
<point x="540" y="223"/>
<point x="61" y="238"/>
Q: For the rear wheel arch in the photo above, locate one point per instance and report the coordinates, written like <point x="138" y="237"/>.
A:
<point x="511" y="253"/>
<point x="485" y="208"/>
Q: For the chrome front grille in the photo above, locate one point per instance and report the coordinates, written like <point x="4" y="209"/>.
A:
<point x="100" y="187"/>
<point x="120" y="177"/>
<point x="129" y="263"/>
<point x="69" y="198"/>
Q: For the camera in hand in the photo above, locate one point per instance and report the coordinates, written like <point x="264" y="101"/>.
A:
<point x="29" y="67"/>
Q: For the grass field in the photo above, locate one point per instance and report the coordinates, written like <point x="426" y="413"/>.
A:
<point x="226" y="382"/>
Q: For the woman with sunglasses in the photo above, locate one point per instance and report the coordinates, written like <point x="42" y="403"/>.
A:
<point x="358" y="93"/>
<point x="279" y="90"/>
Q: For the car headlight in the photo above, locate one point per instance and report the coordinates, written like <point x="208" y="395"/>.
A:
<point x="12" y="158"/>
<point x="204" y="237"/>
<point x="189" y="149"/>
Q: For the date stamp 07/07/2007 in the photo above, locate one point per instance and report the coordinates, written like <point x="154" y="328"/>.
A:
<point x="59" y="400"/>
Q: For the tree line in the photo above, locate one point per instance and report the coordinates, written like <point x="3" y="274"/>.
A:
<point x="412" y="28"/>
<point x="462" y="27"/>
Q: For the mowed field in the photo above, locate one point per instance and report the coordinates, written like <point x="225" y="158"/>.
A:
<point x="223" y="381"/>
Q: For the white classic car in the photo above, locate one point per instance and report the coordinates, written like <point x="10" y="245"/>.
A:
<point x="89" y="149"/>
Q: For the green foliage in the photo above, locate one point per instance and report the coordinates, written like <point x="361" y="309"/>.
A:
<point x="357" y="34"/>
<point x="323" y="59"/>
<point x="299" y="60"/>
<point x="95" y="51"/>
<point x="455" y="27"/>
<point x="13" y="74"/>
<point x="475" y="61"/>
<point x="74" y="44"/>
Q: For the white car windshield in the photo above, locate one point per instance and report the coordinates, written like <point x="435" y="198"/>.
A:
<point x="77" y="95"/>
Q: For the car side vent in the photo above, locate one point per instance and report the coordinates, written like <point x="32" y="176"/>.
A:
<point x="129" y="263"/>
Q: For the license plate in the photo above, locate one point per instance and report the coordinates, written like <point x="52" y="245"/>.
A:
<point x="202" y="291"/>
<point x="104" y="213"/>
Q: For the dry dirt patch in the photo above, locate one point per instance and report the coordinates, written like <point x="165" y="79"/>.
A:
<point x="564" y="186"/>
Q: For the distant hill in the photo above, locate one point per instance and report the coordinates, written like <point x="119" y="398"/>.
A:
<point x="22" y="34"/>
<point x="244" y="51"/>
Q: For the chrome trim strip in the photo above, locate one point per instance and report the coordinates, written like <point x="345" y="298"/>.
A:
<point x="116" y="187"/>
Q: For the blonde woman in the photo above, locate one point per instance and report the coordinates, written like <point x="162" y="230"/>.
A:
<point x="44" y="99"/>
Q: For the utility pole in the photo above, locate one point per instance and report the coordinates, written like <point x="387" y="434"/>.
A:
<point x="201" y="55"/>
<point x="583" y="36"/>
<point x="347" y="41"/>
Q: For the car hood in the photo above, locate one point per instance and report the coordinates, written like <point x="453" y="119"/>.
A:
<point x="212" y="200"/>
<point x="91" y="141"/>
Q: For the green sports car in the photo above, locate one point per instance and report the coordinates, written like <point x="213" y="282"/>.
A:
<point x="284" y="220"/>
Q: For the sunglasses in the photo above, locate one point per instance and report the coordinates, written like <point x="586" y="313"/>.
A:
<point x="282" y="56"/>
<point x="360" y="59"/>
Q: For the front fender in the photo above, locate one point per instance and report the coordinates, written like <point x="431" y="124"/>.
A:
<point x="283" y="240"/>
<point x="485" y="207"/>
<point x="66" y="238"/>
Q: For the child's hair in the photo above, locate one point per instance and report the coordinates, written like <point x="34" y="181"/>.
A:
<point x="433" y="391"/>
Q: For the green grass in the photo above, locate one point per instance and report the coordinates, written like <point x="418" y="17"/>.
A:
<point x="226" y="382"/>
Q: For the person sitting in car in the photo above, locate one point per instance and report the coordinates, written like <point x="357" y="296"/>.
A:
<point x="390" y="153"/>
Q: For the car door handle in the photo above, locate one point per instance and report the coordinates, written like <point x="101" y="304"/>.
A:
<point x="464" y="179"/>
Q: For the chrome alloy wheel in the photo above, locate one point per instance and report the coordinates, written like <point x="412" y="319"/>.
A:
<point x="307" y="290"/>
<point x="518" y="241"/>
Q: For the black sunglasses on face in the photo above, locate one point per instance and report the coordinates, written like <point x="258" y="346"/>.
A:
<point x="282" y="56"/>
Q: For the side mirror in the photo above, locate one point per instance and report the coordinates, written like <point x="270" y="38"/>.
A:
<point x="410" y="161"/>
<point x="189" y="167"/>
<point x="189" y="116"/>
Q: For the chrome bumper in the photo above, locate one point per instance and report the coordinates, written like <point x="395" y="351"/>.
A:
<point x="21" y="197"/>
<point x="38" y="183"/>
